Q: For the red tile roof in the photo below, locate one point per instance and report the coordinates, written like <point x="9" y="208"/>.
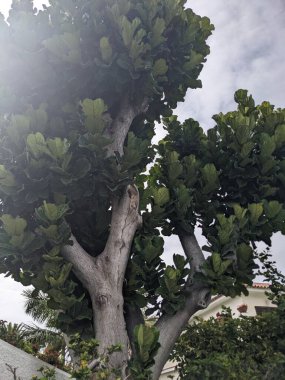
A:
<point x="262" y="285"/>
<point x="256" y="285"/>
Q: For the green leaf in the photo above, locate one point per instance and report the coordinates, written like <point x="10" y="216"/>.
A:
<point x="106" y="49"/>
<point x="51" y="232"/>
<point x="160" y="67"/>
<point x="161" y="196"/>
<point x="179" y="262"/>
<point x="280" y="135"/>
<point x="7" y="179"/>
<point x="267" y="145"/>
<point x="36" y="144"/>
<point x="184" y="199"/>
<point x="216" y="261"/>
<point x="157" y="32"/>
<point x="146" y="338"/>
<point x="195" y="59"/>
<point x="94" y="112"/>
<point x="51" y="212"/>
<point x="13" y="226"/>
<point x="128" y="29"/>
<point x="273" y="209"/>
<point x="58" y="147"/>
<point x="256" y="210"/>
<point x="175" y="168"/>
<point x="239" y="211"/>
<point x="210" y="177"/>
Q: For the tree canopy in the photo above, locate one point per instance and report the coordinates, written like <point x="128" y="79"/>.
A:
<point x="82" y="84"/>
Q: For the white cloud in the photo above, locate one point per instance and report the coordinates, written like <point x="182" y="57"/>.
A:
<point x="11" y="301"/>
<point x="6" y="5"/>
<point x="246" y="52"/>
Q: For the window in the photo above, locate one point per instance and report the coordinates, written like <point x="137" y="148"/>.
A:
<point x="263" y="309"/>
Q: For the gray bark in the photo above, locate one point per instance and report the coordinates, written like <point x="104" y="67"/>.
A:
<point x="121" y="124"/>
<point x="103" y="276"/>
<point x="107" y="294"/>
<point x="198" y="297"/>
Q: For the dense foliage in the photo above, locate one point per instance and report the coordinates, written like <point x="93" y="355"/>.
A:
<point x="58" y="102"/>
<point x="234" y="348"/>
<point x="82" y="84"/>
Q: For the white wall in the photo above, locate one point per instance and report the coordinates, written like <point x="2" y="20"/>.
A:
<point x="27" y="364"/>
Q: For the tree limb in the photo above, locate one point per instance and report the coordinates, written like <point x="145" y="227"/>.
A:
<point x="124" y="223"/>
<point x="121" y="124"/>
<point x="198" y="297"/>
<point x="83" y="263"/>
<point x="193" y="252"/>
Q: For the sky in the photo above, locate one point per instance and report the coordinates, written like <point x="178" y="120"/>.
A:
<point x="247" y="51"/>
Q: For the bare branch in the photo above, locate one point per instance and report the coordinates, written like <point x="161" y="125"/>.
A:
<point x="83" y="263"/>
<point x="94" y="363"/>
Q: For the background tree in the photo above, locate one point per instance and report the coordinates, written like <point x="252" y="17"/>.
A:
<point x="81" y="85"/>
<point x="45" y="344"/>
<point x="239" y="348"/>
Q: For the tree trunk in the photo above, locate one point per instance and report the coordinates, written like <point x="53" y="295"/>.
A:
<point x="109" y="325"/>
<point x="104" y="275"/>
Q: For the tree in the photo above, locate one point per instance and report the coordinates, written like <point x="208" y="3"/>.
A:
<point x="82" y="85"/>
<point x="239" y="348"/>
<point x="36" y="305"/>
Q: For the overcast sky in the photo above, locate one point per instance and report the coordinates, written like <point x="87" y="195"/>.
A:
<point x="247" y="51"/>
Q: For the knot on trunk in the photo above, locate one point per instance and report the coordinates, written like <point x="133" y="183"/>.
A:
<point x="134" y="197"/>
<point x="203" y="298"/>
<point x="102" y="299"/>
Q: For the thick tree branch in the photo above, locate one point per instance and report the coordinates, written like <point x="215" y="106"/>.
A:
<point x="124" y="223"/>
<point x="192" y="251"/>
<point x="83" y="263"/>
<point x="171" y="326"/>
<point x="122" y="123"/>
<point x="107" y="289"/>
<point x="198" y="297"/>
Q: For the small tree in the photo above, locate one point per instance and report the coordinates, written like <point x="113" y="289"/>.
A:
<point x="82" y="84"/>
<point x="238" y="348"/>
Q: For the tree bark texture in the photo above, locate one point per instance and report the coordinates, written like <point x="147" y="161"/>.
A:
<point x="103" y="276"/>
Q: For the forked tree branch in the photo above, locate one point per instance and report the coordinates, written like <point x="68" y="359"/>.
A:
<point x="124" y="223"/>
<point x="121" y="124"/>
<point x="198" y="297"/>
<point x="83" y="263"/>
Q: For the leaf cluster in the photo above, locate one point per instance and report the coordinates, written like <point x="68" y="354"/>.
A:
<point x="228" y="181"/>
